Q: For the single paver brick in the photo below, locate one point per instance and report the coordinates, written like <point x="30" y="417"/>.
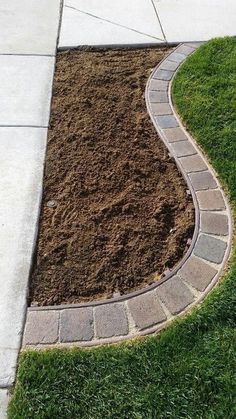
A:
<point x="197" y="273"/>
<point x="195" y="45"/>
<point x="160" y="85"/>
<point x="158" y="97"/>
<point x="175" y="294"/>
<point x="169" y="65"/>
<point x="76" y="324"/>
<point x="110" y="320"/>
<point x="203" y="180"/>
<point x="214" y="223"/>
<point x="183" y="148"/>
<point x="167" y="121"/>
<point x="193" y="163"/>
<point x="174" y="134"/>
<point x="146" y="310"/>
<point x="185" y="49"/>
<point x="210" y="200"/>
<point x="41" y="327"/>
<point x="161" y="109"/>
<point x="177" y="57"/>
<point x="163" y="74"/>
<point x="210" y="248"/>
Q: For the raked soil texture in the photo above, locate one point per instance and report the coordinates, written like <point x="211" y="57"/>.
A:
<point x="115" y="213"/>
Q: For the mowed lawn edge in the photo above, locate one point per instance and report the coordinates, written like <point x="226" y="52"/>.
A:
<point x="187" y="371"/>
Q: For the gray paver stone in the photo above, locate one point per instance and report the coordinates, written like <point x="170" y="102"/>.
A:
<point x="185" y="49"/>
<point x="76" y="324"/>
<point x="214" y="223"/>
<point x="193" y="163"/>
<point x="210" y="200"/>
<point x="174" y="134"/>
<point x="183" y="148"/>
<point x="167" y="121"/>
<point x="195" y="45"/>
<point x="163" y="74"/>
<point x="169" y="65"/>
<point x="202" y="180"/>
<point x="41" y="327"/>
<point x="210" y="248"/>
<point x="158" y="97"/>
<point x="175" y="295"/>
<point x="146" y="310"/>
<point x="161" y="109"/>
<point x="197" y="273"/>
<point x="177" y="57"/>
<point x="160" y="85"/>
<point x="110" y="320"/>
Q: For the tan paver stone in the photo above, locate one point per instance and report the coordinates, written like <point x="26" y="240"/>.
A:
<point x="197" y="273"/>
<point x="146" y="310"/>
<point x="210" y="200"/>
<point x="41" y="327"/>
<point x="175" y="295"/>
<point x="110" y="320"/>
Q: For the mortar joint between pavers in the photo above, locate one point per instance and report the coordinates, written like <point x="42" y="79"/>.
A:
<point x="169" y="315"/>
<point x="59" y="326"/>
<point x="94" y="324"/>
<point x="197" y="294"/>
<point x="131" y="324"/>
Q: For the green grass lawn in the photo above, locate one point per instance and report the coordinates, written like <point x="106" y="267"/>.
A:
<point x="187" y="371"/>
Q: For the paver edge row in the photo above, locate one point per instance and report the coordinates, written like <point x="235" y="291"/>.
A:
<point x="104" y="313"/>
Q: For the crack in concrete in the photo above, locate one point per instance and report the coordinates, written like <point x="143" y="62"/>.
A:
<point x="159" y="20"/>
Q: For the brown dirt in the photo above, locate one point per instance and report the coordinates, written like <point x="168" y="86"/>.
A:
<point x="115" y="213"/>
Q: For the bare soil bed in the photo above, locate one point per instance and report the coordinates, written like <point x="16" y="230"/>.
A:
<point x="115" y="212"/>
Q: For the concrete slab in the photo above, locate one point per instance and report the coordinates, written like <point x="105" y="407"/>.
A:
<point x="97" y="23"/>
<point x="3" y="403"/>
<point x="21" y="161"/>
<point x="198" y="20"/>
<point x="8" y="360"/>
<point x="138" y="15"/>
<point x="29" y="26"/>
<point x="25" y="90"/>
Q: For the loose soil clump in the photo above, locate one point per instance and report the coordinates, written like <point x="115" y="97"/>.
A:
<point x="115" y="212"/>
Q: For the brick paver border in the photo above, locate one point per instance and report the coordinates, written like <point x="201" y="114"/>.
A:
<point x="151" y="309"/>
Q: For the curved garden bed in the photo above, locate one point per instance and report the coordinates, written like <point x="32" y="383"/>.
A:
<point x="153" y="307"/>
<point x="115" y="212"/>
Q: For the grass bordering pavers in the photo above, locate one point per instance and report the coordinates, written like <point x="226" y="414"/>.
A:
<point x="188" y="370"/>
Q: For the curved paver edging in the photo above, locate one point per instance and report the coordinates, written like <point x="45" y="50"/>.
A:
<point x="152" y="308"/>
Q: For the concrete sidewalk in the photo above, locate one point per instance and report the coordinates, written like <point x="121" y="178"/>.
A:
<point x="136" y="22"/>
<point x="29" y="31"/>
